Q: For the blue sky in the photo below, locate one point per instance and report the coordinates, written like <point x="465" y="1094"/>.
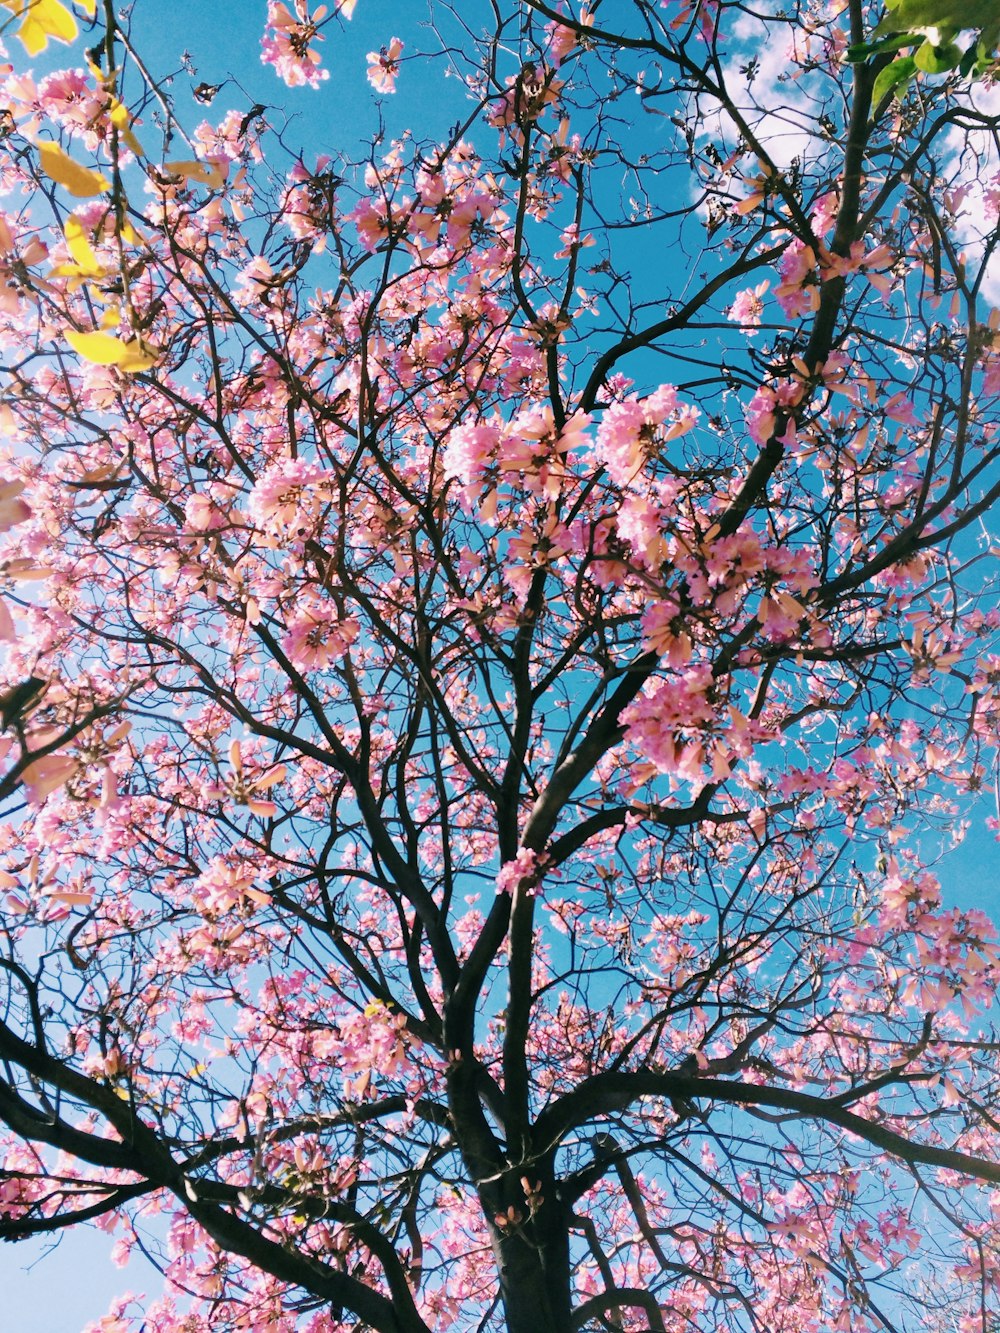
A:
<point x="60" y="1290"/>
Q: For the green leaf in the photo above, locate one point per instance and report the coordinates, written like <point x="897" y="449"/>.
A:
<point x="894" y="78"/>
<point x="937" y="59"/>
<point x="894" y="42"/>
<point x="912" y="15"/>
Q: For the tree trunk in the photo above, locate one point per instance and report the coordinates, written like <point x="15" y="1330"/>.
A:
<point x="532" y="1257"/>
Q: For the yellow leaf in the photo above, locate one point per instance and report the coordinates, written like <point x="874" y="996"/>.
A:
<point x="123" y="124"/>
<point x="205" y="173"/>
<point x="104" y="350"/>
<point x="42" y="19"/>
<point x="89" y="7"/>
<point x="80" y="248"/>
<point x="137" y="356"/>
<point x="81" y="182"/>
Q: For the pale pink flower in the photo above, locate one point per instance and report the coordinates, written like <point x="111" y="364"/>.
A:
<point x="383" y="66"/>
<point x="798" y="292"/>
<point x="47" y="774"/>
<point x="308" y="207"/>
<point x="642" y="523"/>
<point x="563" y="39"/>
<point x="824" y="213"/>
<point x="200" y="514"/>
<point x="286" y="44"/>
<point x="527" y="867"/>
<point x="248" y="791"/>
<point x="254" y="279"/>
<point x="221" y="887"/>
<point x="72" y="99"/>
<point x="664" y="633"/>
<point x="317" y="636"/>
<point x="900" y="408"/>
<point x="668" y="725"/>
<point x="633" y="430"/>
<point x="287" y="496"/>
<point x="470" y="450"/>
<point x="748" y="306"/>
<point x="573" y="241"/>
<point x="371" y="222"/>
<point x="13" y="510"/>
<point x="537" y="451"/>
<point x="760" y="414"/>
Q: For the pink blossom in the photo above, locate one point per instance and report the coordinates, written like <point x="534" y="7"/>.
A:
<point x="372" y="223"/>
<point x="383" y="66"/>
<point x="73" y="100"/>
<point x="748" y="306"/>
<point x="288" y="496"/>
<point x="200" y="514"/>
<point x="664" y="633"/>
<point x="573" y="241"/>
<point x="525" y="869"/>
<point x="668" y="723"/>
<point x="632" y="430"/>
<point x="760" y="414"/>
<point x="318" y="636"/>
<point x="470" y="449"/>
<point x="309" y="207"/>
<point x="254" y="280"/>
<point x="13" y="509"/>
<point x="221" y="887"/>
<point x="900" y="408"/>
<point x="286" y="46"/>
<point x="798" y="292"/>
<point x="824" y="213"/>
<point x="562" y="39"/>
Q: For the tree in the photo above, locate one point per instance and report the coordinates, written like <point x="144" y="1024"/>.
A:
<point x="497" y="633"/>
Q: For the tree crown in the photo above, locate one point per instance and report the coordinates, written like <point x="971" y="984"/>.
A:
<point x="499" y="625"/>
